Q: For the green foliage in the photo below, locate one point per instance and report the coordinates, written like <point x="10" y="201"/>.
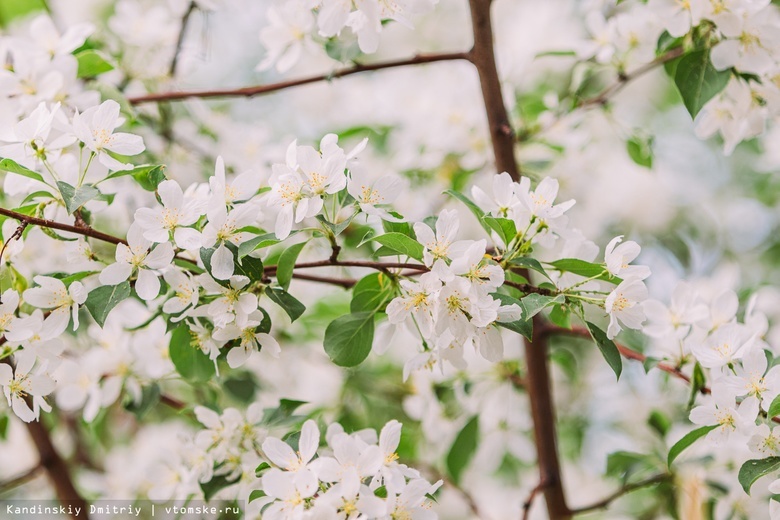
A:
<point x="607" y="347"/>
<point x="686" y="441"/>
<point x="282" y="413"/>
<point x="372" y="293"/>
<point x="286" y="265"/>
<point x="504" y="228"/>
<point x="522" y="326"/>
<point x="150" y="396"/>
<point x="774" y="408"/>
<point x="586" y="269"/>
<point x="529" y="263"/>
<point x="463" y="449"/>
<point x="101" y="301"/>
<point x="286" y="301"/>
<point x="348" y="339"/>
<point x="532" y="304"/>
<point x="75" y="197"/>
<point x="398" y="243"/>
<point x="640" y="149"/>
<point x="697" y="80"/>
<point x="190" y="361"/>
<point x="754" y="469"/>
<point x="215" y="485"/>
<point x="148" y="176"/>
<point x="7" y="165"/>
<point x="92" y="63"/>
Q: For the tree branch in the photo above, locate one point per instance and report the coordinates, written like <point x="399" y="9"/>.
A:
<point x="625" y="79"/>
<point x="180" y="39"/>
<point x="531" y="497"/>
<point x="483" y="57"/>
<point x="20" y="480"/>
<point x="538" y="376"/>
<point x="628" y="488"/>
<point x="79" y="230"/>
<point x="282" y="85"/>
<point x="55" y="466"/>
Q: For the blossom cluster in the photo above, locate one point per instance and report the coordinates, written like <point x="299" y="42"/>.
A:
<point x="739" y="36"/>
<point x="294" y="25"/>
<point x="356" y="474"/>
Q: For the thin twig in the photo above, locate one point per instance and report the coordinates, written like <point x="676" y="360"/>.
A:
<point x="180" y="39"/>
<point x="20" y="480"/>
<point x="531" y="497"/>
<point x="625" y="79"/>
<point x="628" y="488"/>
<point x="282" y="85"/>
<point x="435" y="474"/>
<point x="342" y="282"/>
<point x="79" y="230"/>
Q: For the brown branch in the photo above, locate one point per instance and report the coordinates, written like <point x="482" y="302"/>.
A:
<point x="79" y="230"/>
<point x="52" y="462"/>
<point x="282" y="85"/>
<point x="180" y="39"/>
<point x="625" y="79"/>
<point x="483" y="57"/>
<point x="20" y="480"/>
<point x="435" y="474"/>
<point x="538" y="375"/>
<point x="628" y="488"/>
<point x="531" y="497"/>
<point x="625" y="351"/>
<point x="352" y="263"/>
<point x="528" y="288"/>
<point x="342" y="282"/>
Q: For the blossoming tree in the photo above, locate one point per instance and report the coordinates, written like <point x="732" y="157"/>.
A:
<point x="361" y="293"/>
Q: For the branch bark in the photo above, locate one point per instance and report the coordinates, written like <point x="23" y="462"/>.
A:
<point x="538" y="376"/>
<point x="259" y="90"/>
<point x="79" y="230"/>
<point x="483" y="57"/>
<point x="628" y="488"/>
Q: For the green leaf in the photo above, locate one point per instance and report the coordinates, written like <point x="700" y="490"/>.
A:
<point x="504" y="227"/>
<point x="586" y="269"/>
<point x="7" y="165"/>
<point x="622" y="464"/>
<point x="150" y="396"/>
<point x="561" y="316"/>
<point x="774" y="408"/>
<point x="242" y="386"/>
<point x="76" y="197"/>
<point x="336" y="228"/>
<point x="660" y="422"/>
<point x="281" y="413"/>
<point x="372" y="293"/>
<point x="215" y="485"/>
<point x="92" y="63"/>
<point x="533" y="303"/>
<point x="261" y="467"/>
<point x="348" y="339"/>
<point x="258" y="242"/>
<point x="75" y="277"/>
<point x="145" y="171"/>
<point x="190" y="361"/>
<point x="11" y="10"/>
<point x="522" y="326"/>
<point x="640" y="150"/>
<point x="698" y="381"/>
<point x="462" y="450"/>
<point x="698" y="81"/>
<point x="4" y="422"/>
<point x="286" y="264"/>
<point x="686" y="441"/>
<point x="248" y="266"/>
<point x="101" y="301"/>
<point x="476" y="210"/>
<point x="149" y="179"/>
<point x="255" y="494"/>
<point x="401" y="244"/>
<point x="529" y="263"/>
<point x="607" y="347"/>
<point x="753" y="470"/>
<point x="286" y="301"/>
